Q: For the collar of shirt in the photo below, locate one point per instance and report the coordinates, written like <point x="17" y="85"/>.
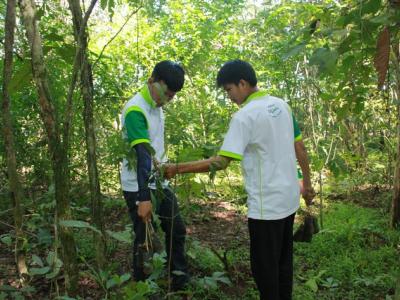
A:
<point x="253" y="96"/>
<point x="145" y="93"/>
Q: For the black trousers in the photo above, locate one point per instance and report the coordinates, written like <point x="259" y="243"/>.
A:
<point x="271" y="255"/>
<point x="168" y="213"/>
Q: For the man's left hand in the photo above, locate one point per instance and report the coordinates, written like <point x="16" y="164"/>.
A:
<point x="169" y="170"/>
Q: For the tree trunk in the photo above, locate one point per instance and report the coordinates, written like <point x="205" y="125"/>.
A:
<point x="395" y="220"/>
<point x="86" y="81"/>
<point x="396" y="184"/>
<point x="14" y="182"/>
<point x="58" y="154"/>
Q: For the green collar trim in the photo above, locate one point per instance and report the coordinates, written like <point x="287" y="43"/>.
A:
<point x="145" y="93"/>
<point x="253" y="96"/>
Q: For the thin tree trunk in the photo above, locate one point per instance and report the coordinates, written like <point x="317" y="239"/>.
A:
<point x="58" y="154"/>
<point x="86" y="81"/>
<point x="14" y="182"/>
<point x="395" y="220"/>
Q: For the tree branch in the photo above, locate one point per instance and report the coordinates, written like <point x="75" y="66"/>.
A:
<point x="115" y="35"/>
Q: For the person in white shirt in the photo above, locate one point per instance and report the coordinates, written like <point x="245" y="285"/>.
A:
<point x="265" y="137"/>
<point x="143" y="128"/>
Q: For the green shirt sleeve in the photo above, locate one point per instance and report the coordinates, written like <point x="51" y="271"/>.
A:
<point x="136" y="128"/>
<point x="299" y="174"/>
<point x="297" y="132"/>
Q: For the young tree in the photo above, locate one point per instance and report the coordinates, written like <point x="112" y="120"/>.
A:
<point x="13" y="178"/>
<point x="86" y="85"/>
<point x="58" y="153"/>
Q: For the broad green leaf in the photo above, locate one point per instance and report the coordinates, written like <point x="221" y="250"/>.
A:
<point x="312" y="284"/>
<point x="37" y="260"/>
<point x="39" y="271"/>
<point x="21" y="77"/>
<point x="122" y="236"/>
<point x="28" y="289"/>
<point x="218" y="274"/>
<point x="124" y="277"/>
<point x="111" y="283"/>
<point x="78" y="224"/>
<point x="381" y="19"/>
<point x="370" y="7"/>
<point x="6" y="239"/>
<point x="50" y="258"/>
<point x="325" y="59"/>
<point x="294" y="51"/>
<point x="54" y="273"/>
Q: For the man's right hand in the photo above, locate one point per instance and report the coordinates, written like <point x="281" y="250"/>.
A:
<point x="308" y="194"/>
<point x="145" y="210"/>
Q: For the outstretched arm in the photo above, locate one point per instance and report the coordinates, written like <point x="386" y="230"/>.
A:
<point x="200" y="166"/>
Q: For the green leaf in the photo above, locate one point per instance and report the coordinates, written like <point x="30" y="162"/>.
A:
<point x="325" y="59"/>
<point x="178" y="273"/>
<point x="21" y="77"/>
<point x="18" y="296"/>
<point x="44" y="236"/>
<point x="37" y="260"/>
<point x="111" y="6"/>
<point x="381" y="19"/>
<point x="124" y="277"/>
<point x="122" y="236"/>
<point x="78" y="224"/>
<point x="28" y="289"/>
<point x="103" y="4"/>
<point x="65" y="298"/>
<point x="50" y="258"/>
<point x="8" y="288"/>
<point x="312" y="284"/>
<point x="39" y="271"/>
<point x="110" y="283"/>
<point x="294" y="51"/>
<point x="53" y="274"/>
<point x="370" y="7"/>
<point x="6" y="239"/>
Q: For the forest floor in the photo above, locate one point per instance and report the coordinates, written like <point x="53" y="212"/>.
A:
<point x="355" y="256"/>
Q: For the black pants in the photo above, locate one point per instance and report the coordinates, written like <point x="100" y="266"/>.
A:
<point x="271" y="255"/>
<point x="168" y="213"/>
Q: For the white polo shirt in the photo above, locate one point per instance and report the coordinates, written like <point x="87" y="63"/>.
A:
<point x="261" y="135"/>
<point x="154" y="116"/>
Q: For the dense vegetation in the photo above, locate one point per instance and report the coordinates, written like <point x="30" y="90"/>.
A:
<point x="71" y="66"/>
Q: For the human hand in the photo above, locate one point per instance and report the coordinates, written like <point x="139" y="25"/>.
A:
<point x="145" y="210"/>
<point x="169" y="170"/>
<point x="308" y="194"/>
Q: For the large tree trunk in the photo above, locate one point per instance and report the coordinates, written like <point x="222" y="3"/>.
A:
<point x="58" y="154"/>
<point x="86" y="81"/>
<point x="14" y="182"/>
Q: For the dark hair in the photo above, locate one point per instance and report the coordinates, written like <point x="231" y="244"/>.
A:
<point x="171" y="73"/>
<point x="235" y="70"/>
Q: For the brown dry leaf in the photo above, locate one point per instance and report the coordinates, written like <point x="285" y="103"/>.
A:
<point x="381" y="61"/>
